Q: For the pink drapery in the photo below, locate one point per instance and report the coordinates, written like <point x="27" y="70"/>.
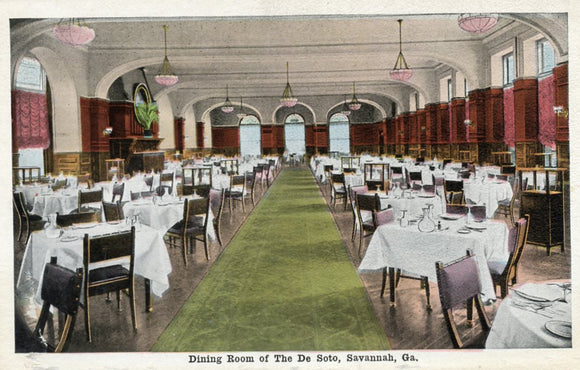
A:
<point x="30" y="120"/>
<point x="508" y="117"/>
<point x="546" y="116"/>
<point x="467" y="129"/>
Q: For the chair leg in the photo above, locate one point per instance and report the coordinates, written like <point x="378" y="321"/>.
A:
<point x="184" y="245"/>
<point x="66" y="333"/>
<point x="243" y="204"/>
<point x="482" y="315"/>
<point x="470" y="312"/>
<point x="504" y="288"/>
<point x="384" y="283"/>
<point x="205" y="246"/>
<point x="230" y="199"/>
<point x="219" y="234"/>
<point x="119" y="300"/>
<point x="452" y="329"/>
<point x="88" y="320"/>
<point x="132" y="303"/>
<point x="425" y="281"/>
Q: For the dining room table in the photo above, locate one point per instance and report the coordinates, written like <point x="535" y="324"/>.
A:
<point x="489" y="192"/>
<point x="48" y="202"/>
<point x="534" y="315"/>
<point x="151" y="257"/>
<point x="412" y="203"/>
<point x="413" y="251"/>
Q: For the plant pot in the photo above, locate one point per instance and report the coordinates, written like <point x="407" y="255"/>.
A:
<point x="147" y="133"/>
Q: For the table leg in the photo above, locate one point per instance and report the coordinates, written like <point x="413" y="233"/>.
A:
<point x="148" y="301"/>
<point x="384" y="282"/>
<point x="392" y="285"/>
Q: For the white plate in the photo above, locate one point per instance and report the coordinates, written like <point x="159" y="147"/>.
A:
<point x="69" y="238"/>
<point x="451" y="216"/>
<point x="426" y="195"/>
<point x="560" y="328"/>
<point x="463" y="231"/>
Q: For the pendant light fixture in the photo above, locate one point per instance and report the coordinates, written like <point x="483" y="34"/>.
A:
<point x="344" y="109"/>
<point x="227" y="107"/>
<point x="165" y="76"/>
<point x="354" y="103"/>
<point x="288" y="99"/>
<point x="477" y="23"/>
<point x="241" y="114"/>
<point x="401" y="71"/>
<point x="73" y="32"/>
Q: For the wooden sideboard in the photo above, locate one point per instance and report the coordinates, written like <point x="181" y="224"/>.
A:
<point x="139" y="153"/>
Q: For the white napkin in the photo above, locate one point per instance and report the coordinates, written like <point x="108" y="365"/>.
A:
<point x="540" y="292"/>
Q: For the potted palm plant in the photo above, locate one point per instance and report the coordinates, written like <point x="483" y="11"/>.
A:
<point x="146" y="114"/>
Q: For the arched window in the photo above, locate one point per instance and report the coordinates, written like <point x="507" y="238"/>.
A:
<point x="295" y="139"/>
<point x="250" y="136"/>
<point x="339" y="133"/>
<point x="32" y="129"/>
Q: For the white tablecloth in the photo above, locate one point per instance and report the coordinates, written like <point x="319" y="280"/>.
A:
<point x="517" y="327"/>
<point x="62" y="202"/>
<point x="161" y="216"/>
<point x="30" y="191"/>
<point x="488" y="193"/>
<point x="151" y="257"/>
<point x="414" y="206"/>
<point x="416" y="252"/>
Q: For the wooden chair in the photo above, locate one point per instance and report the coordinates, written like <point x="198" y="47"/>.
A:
<point x="192" y="227"/>
<point x="454" y="191"/>
<point x="504" y="272"/>
<point x="478" y="212"/>
<point x="118" y="191"/>
<point x="166" y="182"/>
<point x="85" y="180"/>
<point x="87" y="198"/>
<point x="366" y="205"/>
<point x="59" y="184"/>
<point x="101" y="280"/>
<point x="61" y="288"/>
<point x="352" y="192"/>
<point x="337" y="189"/>
<point x="237" y="191"/>
<point x="458" y="282"/>
<point x="457" y="209"/>
<point x="77" y="218"/>
<point x="113" y="211"/>
<point x="26" y="220"/>
<point x="216" y="202"/>
<point x="507" y="207"/>
<point x="251" y="185"/>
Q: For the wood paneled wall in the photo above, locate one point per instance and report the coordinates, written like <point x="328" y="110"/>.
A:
<point x="225" y="137"/>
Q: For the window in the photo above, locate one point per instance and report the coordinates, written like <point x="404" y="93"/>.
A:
<point x="339" y="134"/>
<point x="508" y="68"/>
<point x="544" y="56"/>
<point x="416" y="101"/>
<point x="250" y="136"/>
<point x="294" y="135"/>
<point x="449" y="89"/>
<point x="465" y="87"/>
<point x="30" y="76"/>
<point x="550" y="160"/>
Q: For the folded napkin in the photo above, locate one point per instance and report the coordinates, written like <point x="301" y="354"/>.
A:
<point x="540" y="292"/>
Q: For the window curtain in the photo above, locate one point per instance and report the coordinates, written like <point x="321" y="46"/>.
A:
<point x="30" y="120"/>
<point x="546" y="116"/>
<point x="508" y="117"/>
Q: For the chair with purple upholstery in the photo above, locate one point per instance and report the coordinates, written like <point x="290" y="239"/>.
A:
<point x="352" y="192"/>
<point x="502" y="272"/>
<point x="457" y="209"/>
<point x="458" y="282"/>
<point x="366" y="204"/>
<point x="478" y="212"/>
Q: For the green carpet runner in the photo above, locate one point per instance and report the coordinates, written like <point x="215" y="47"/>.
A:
<point x="285" y="282"/>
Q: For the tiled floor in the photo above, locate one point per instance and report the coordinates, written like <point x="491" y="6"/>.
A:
<point x="408" y="326"/>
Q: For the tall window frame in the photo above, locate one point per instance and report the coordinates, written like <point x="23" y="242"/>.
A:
<point x="338" y="126"/>
<point x="295" y="134"/>
<point x="250" y="136"/>
<point x="545" y="57"/>
<point x="449" y="89"/>
<point x="507" y="67"/>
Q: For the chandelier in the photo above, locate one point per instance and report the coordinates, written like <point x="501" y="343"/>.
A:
<point x="344" y="109"/>
<point x="288" y="99"/>
<point x="241" y="114"/>
<point x="354" y="103"/>
<point x="401" y="71"/>
<point x="227" y="107"/>
<point x="73" y="32"/>
<point x="165" y="76"/>
<point x="477" y="23"/>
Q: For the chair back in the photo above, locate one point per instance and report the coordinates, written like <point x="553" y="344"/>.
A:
<point x="91" y="196"/>
<point x="59" y="184"/>
<point x="77" y="218"/>
<point x="113" y="211"/>
<point x="337" y="178"/>
<point x="523" y="226"/>
<point x="84" y="179"/>
<point x="465" y="174"/>
<point x="149" y="182"/>
<point x="383" y="217"/>
<point x="501" y="177"/>
<point x="118" y="191"/>
<point x="368" y="202"/>
<point x="478" y="212"/>
<point x="438" y="180"/>
<point x="415" y="176"/>
<point x="216" y="201"/>
<point x="193" y="209"/>
<point x="202" y="190"/>
<point x="453" y="185"/>
<point x="455" y="197"/>
<point x="458" y="281"/>
<point x="446" y="162"/>
<point x="18" y="201"/>
<point x="353" y="191"/>
<point x="61" y="287"/>
<point x="109" y="247"/>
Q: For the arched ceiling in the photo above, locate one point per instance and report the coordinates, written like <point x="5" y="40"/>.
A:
<point x="326" y="53"/>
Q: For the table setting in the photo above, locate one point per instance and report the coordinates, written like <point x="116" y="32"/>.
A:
<point x="534" y="315"/>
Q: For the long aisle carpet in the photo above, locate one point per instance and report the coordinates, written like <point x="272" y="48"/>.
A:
<point x="285" y="282"/>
